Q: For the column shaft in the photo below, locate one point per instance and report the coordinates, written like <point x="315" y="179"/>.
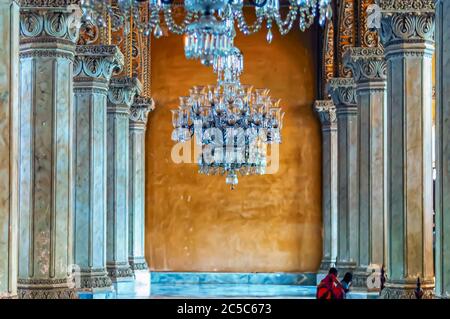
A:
<point x="46" y="181"/>
<point x="93" y="69"/>
<point x="120" y="98"/>
<point x="407" y="34"/>
<point x="138" y="122"/>
<point x="442" y="149"/>
<point x="9" y="106"/>
<point x="342" y="91"/>
<point x="369" y="71"/>
<point x="327" y="114"/>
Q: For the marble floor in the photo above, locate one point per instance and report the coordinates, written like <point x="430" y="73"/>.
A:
<point x="241" y="291"/>
<point x="211" y="286"/>
<point x="227" y="291"/>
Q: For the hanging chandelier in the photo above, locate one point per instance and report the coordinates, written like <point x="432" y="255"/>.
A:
<point x="233" y="123"/>
<point x="208" y="25"/>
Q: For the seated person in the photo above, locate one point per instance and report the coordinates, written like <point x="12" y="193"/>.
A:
<point x="330" y="287"/>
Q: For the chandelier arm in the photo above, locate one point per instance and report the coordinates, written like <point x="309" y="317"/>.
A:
<point x="247" y="29"/>
<point x="285" y="26"/>
<point x="172" y="25"/>
<point x="258" y="5"/>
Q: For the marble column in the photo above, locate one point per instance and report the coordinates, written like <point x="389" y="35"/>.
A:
<point x="369" y="71"/>
<point x="138" y="123"/>
<point x="93" y="68"/>
<point x="9" y="106"/>
<point x="49" y="32"/>
<point x="120" y="98"/>
<point x="342" y="90"/>
<point x="407" y="33"/>
<point x="327" y="114"/>
<point x="442" y="149"/>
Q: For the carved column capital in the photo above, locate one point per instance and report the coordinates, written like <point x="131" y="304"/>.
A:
<point x="326" y="110"/>
<point x="407" y="26"/>
<point x="343" y="93"/>
<point x="139" y="111"/>
<point x="368" y="66"/>
<point x="48" y="25"/>
<point x="122" y="91"/>
<point x="96" y="63"/>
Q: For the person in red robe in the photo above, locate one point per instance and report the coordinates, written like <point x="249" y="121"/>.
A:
<point x="330" y="287"/>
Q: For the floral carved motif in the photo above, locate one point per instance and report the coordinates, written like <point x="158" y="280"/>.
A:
<point x="97" y="61"/>
<point x="343" y="92"/>
<point x="45" y="24"/>
<point x="326" y="111"/>
<point x="367" y="64"/>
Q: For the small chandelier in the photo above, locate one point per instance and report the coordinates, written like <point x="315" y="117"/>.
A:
<point x="232" y="122"/>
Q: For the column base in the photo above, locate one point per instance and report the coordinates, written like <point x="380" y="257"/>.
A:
<point x="406" y="289"/>
<point x="120" y="272"/>
<point x="344" y="267"/>
<point x="326" y="264"/>
<point x="360" y="276"/>
<point x="8" y="296"/>
<point x="94" y="279"/>
<point x="138" y="263"/>
<point x="46" y="289"/>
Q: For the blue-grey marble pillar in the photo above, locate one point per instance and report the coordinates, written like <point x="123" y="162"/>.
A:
<point x="369" y="71"/>
<point x="93" y="68"/>
<point x="327" y="114"/>
<point x="138" y="123"/>
<point x="9" y="106"/>
<point x="120" y="98"/>
<point x="49" y="32"/>
<point x="442" y="149"/>
<point x="407" y="33"/>
<point x="343" y="93"/>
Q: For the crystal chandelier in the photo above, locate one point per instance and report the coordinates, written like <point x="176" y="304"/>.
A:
<point x="232" y="122"/>
<point x="208" y="24"/>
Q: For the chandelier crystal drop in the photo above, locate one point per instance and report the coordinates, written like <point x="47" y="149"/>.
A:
<point x="232" y="122"/>
<point x="207" y="38"/>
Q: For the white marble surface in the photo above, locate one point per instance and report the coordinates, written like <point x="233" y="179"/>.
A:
<point x="442" y="149"/>
<point x="9" y="106"/>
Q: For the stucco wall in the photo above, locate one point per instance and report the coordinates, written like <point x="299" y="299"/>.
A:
<point x="268" y="223"/>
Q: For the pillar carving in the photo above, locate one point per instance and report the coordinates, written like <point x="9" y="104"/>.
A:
<point x="442" y="150"/>
<point x="93" y="68"/>
<point x="9" y="106"/>
<point x="369" y="71"/>
<point x="49" y="31"/>
<point x="407" y="33"/>
<point x="343" y="93"/>
<point x="138" y="122"/>
<point x="327" y="115"/>
<point x="120" y="98"/>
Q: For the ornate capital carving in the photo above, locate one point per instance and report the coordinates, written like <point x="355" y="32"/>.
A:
<point x="139" y="111"/>
<point x="326" y="110"/>
<point x="408" y="22"/>
<point x="120" y="270"/>
<point x="49" y="22"/>
<point x="343" y="92"/>
<point x="97" y="62"/>
<point x="367" y="64"/>
<point x="407" y="6"/>
<point x="122" y="91"/>
<point x="46" y="288"/>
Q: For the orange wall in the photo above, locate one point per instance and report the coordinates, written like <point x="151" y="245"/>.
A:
<point x="269" y="223"/>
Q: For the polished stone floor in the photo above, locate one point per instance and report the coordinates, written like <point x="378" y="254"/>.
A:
<point x="226" y="291"/>
<point x="204" y="286"/>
